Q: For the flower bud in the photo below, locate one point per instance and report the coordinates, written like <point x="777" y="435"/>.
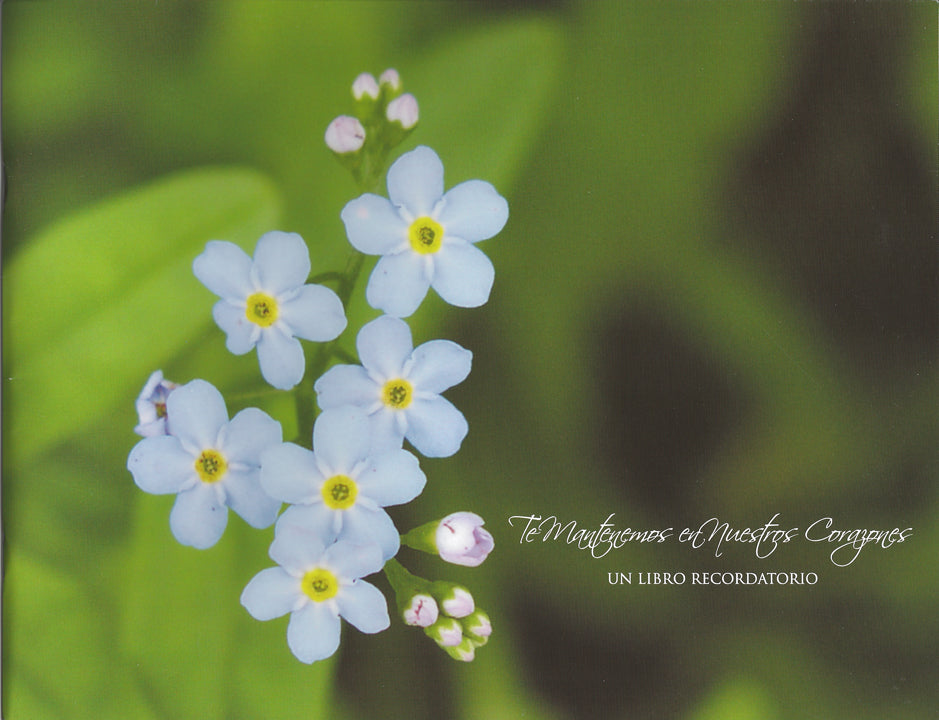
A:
<point x="465" y="651"/>
<point x="447" y="632"/>
<point x="365" y="85"/>
<point x="403" y="109"/>
<point x="422" y="611"/>
<point x="461" y="540"/>
<point x="478" y="628"/>
<point x="458" y="603"/>
<point x="391" y="78"/>
<point x="345" y="134"/>
<point x="151" y="406"/>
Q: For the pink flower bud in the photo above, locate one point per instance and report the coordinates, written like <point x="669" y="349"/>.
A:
<point x="403" y="109"/>
<point x="448" y="633"/>
<point x="461" y="540"/>
<point x="365" y="84"/>
<point x="459" y="604"/>
<point x="345" y="134"/>
<point x="422" y="611"/>
<point x="390" y="77"/>
<point x="479" y="625"/>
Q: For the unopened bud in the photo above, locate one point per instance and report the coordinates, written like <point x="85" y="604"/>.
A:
<point x="446" y="631"/>
<point x="478" y="627"/>
<point x="403" y="109"/>
<point x="422" y="612"/>
<point x="461" y="540"/>
<point x="390" y="77"/>
<point x="365" y="85"/>
<point x="459" y="603"/>
<point x="465" y="651"/>
<point x="345" y="134"/>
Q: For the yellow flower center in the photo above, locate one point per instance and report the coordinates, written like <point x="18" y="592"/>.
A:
<point x="261" y="309"/>
<point x="397" y="394"/>
<point x="339" y="492"/>
<point x="211" y="466"/>
<point x="160" y="409"/>
<point x="319" y="584"/>
<point x="426" y="235"/>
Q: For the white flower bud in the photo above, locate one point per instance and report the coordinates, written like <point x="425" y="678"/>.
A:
<point x="390" y="77"/>
<point x="422" y="611"/>
<point x="479" y="625"/>
<point x="403" y="109"/>
<point x="459" y="604"/>
<point x="365" y="84"/>
<point x="447" y="632"/>
<point x="461" y="539"/>
<point x="345" y="134"/>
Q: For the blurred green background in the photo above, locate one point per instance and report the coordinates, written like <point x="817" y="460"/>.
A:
<point x="715" y="297"/>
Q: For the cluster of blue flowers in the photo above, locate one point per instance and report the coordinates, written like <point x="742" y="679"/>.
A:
<point x="335" y="530"/>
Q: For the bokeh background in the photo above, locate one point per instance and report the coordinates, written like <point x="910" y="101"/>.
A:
<point x="716" y="296"/>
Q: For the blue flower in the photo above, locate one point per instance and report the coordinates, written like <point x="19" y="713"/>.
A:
<point x="151" y="406"/>
<point x="211" y="463"/>
<point x="399" y="388"/>
<point x="341" y="486"/>
<point x="265" y="303"/>
<point x="317" y="583"/>
<point x="425" y="237"/>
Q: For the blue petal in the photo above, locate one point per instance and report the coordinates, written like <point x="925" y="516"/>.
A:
<point x="161" y="466"/>
<point x="199" y="413"/>
<point x="387" y="429"/>
<point x="313" y="632"/>
<point x="438" y="365"/>
<point x="198" y="519"/>
<point x="240" y="333"/>
<point x="463" y="275"/>
<point x="346" y="385"/>
<point x="399" y="283"/>
<point x="281" y="262"/>
<point x="361" y="525"/>
<point x="473" y="211"/>
<point x="314" y="313"/>
<point x="435" y="427"/>
<point x="249" y="433"/>
<point x="353" y="560"/>
<point x="297" y="547"/>
<point x="281" y="358"/>
<point x="341" y="439"/>
<point x="415" y="181"/>
<point x="373" y="225"/>
<point x="270" y="594"/>
<point x="363" y="605"/>
<point x="384" y="345"/>
<point x="224" y="268"/>
<point x="289" y="473"/>
<point x="392" y="478"/>
<point x="248" y="499"/>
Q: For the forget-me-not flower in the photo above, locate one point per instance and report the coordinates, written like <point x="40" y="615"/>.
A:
<point x="399" y="387"/>
<point x="425" y="236"/>
<point x="265" y="303"/>
<point x="210" y="462"/>
<point x="151" y="406"/>
<point x="317" y="583"/>
<point x="341" y="486"/>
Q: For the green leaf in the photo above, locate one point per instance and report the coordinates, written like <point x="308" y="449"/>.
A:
<point x="58" y="657"/>
<point x="100" y="300"/>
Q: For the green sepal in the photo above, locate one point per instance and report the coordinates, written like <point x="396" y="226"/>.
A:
<point x="423" y="537"/>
